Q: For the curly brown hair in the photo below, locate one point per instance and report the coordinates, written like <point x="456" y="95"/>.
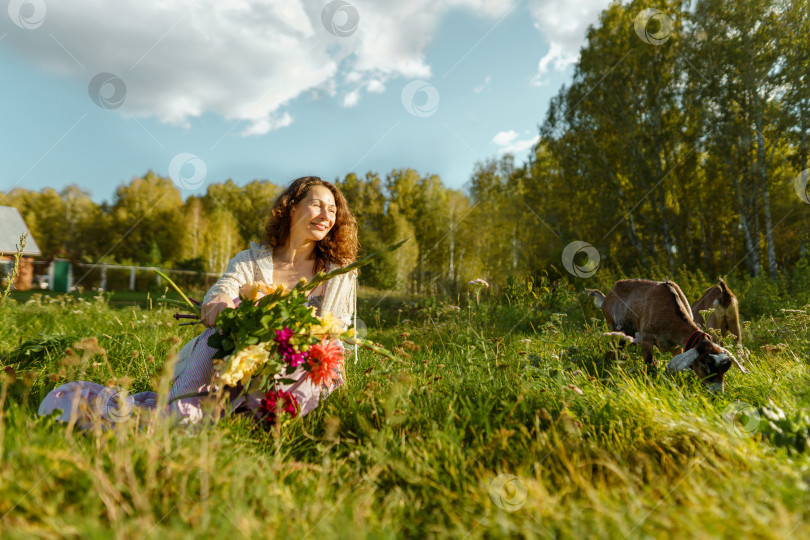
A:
<point x="339" y="246"/>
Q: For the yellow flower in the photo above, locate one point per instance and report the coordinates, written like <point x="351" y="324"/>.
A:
<point x="330" y="325"/>
<point x="249" y="291"/>
<point x="242" y="365"/>
<point x="254" y="291"/>
<point x="270" y="289"/>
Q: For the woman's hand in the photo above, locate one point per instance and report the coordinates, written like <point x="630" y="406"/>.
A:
<point x="212" y="308"/>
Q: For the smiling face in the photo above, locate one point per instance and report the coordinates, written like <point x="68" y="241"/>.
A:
<point x="314" y="215"/>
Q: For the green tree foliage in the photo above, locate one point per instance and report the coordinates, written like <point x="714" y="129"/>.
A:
<point x="249" y="205"/>
<point x="676" y="144"/>
<point x="148" y="222"/>
<point x="678" y="152"/>
<point x="145" y="210"/>
<point x="63" y="223"/>
<point x="220" y="239"/>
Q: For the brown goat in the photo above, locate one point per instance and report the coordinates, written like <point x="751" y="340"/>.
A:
<point x="656" y="314"/>
<point x="726" y="315"/>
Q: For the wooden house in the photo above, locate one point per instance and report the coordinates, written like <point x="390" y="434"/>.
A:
<point x="12" y="226"/>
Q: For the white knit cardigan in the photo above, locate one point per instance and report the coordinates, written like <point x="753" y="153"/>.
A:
<point x="256" y="264"/>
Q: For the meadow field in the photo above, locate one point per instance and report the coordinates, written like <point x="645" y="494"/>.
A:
<point x="509" y="415"/>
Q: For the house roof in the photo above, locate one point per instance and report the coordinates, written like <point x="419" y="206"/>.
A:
<point x="12" y="226"/>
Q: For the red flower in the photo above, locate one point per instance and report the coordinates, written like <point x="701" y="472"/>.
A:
<point x="278" y="401"/>
<point x="325" y="361"/>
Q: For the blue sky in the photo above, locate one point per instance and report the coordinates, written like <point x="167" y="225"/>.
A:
<point x="263" y="90"/>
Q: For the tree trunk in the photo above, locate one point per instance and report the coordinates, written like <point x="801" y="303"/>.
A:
<point x="705" y="244"/>
<point x="632" y="234"/>
<point x="421" y="283"/>
<point x="665" y="229"/>
<point x="451" y="271"/>
<point x="766" y="209"/>
<point x="803" y="169"/>
<point x="751" y="253"/>
<point x="195" y="248"/>
<point x="661" y="195"/>
<point x="757" y="236"/>
<point x="763" y="187"/>
<point x="460" y="265"/>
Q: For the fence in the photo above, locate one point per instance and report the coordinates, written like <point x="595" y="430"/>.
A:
<point x="106" y="277"/>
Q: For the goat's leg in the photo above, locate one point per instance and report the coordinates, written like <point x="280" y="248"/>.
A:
<point x="647" y="350"/>
<point x="648" y="357"/>
<point x="734" y="328"/>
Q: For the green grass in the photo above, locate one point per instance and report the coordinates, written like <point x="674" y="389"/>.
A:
<point x="115" y="298"/>
<point x="596" y="446"/>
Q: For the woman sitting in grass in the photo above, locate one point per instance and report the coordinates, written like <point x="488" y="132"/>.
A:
<point x="310" y="230"/>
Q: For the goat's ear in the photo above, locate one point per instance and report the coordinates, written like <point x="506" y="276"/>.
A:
<point x="682" y="361"/>
<point x="733" y="359"/>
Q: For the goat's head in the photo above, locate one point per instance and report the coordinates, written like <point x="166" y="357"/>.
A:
<point x="709" y="361"/>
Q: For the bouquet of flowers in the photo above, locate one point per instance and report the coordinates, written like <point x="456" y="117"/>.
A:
<point x="271" y="334"/>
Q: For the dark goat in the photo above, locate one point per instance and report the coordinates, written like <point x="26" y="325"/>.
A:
<point x="656" y="314"/>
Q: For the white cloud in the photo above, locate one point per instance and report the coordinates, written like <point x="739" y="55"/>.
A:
<point x="563" y="24"/>
<point x="509" y="143"/>
<point x="504" y="137"/>
<point x="376" y="87"/>
<point x="483" y="86"/>
<point x="244" y="60"/>
<point x="520" y="146"/>
<point x="264" y="125"/>
<point x="352" y="98"/>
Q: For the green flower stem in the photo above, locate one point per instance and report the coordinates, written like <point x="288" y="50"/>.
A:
<point x="371" y="347"/>
<point x="176" y="303"/>
<point x="320" y="277"/>
<point x="191" y="304"/>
